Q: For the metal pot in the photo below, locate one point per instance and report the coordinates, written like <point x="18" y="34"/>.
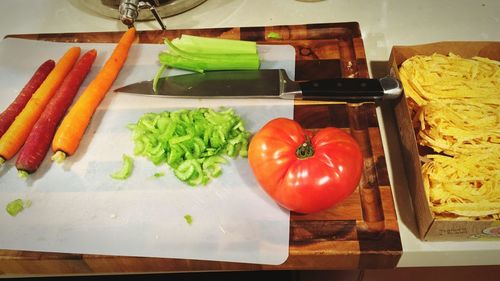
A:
<point x="165" y="8"/>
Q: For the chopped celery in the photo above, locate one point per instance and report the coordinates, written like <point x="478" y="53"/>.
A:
<point x="192" y="142"/>
<point x="273" y="35"/>
<point x="201" y="54"/>
<point x="126" y="169"/>
<point x="188" y="219"/>
<point x="158" y="174"/>
<point x="16" y="206"/>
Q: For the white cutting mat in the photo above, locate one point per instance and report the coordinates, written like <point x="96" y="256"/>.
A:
<point x="78" y="208"/>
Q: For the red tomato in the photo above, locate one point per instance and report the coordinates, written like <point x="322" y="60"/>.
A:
<point x="302" y="171"/>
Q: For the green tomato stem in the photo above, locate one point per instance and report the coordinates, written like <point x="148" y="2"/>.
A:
<point x="305" y="150"/>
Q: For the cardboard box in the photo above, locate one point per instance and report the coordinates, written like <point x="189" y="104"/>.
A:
<point x="430" y="227"/>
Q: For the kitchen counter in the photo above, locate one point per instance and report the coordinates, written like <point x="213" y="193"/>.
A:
<point x="382" y="23"/>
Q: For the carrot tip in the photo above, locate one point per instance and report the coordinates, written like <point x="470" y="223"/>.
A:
<point x="59" y="156"/>
<point x="22" y="174"/>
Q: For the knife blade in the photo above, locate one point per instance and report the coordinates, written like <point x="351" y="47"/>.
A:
<point x="267" y="83"/>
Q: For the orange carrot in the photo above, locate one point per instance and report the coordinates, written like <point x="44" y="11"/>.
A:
<point x="74" y="124"/>
<point x="18" y="132"/>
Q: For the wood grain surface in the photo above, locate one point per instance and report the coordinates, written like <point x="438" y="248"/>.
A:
<point x="361" y="232"/>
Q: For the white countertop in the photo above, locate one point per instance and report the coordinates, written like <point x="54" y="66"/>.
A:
<point x="383" y="24"/>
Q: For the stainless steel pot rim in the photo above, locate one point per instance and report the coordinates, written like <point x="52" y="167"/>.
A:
<point x="109" y="8"/>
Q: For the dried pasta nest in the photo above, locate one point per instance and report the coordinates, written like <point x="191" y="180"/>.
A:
<point x="457" y="127"/>
<point x="464" y="185"/>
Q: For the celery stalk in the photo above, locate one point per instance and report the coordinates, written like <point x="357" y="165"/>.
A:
<point x="201" y="63"/>
<point x="205" y="45"/>
<point x="201" y="54"/>
<point x="204" y="61"/>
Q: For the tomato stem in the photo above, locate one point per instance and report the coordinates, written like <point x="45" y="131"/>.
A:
<point x="305" y="150"/>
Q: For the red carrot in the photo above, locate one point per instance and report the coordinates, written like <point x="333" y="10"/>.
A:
<point x="10" y="113"/>
<point x="38" y="142"/>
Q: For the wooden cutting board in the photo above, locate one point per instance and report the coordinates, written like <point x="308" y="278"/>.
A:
<point x="361" y="232"/>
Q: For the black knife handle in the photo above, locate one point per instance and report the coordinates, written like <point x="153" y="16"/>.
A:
<point x="342" y="89"/>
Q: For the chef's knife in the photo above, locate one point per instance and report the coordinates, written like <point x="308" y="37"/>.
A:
<point x="267" y="83"/>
